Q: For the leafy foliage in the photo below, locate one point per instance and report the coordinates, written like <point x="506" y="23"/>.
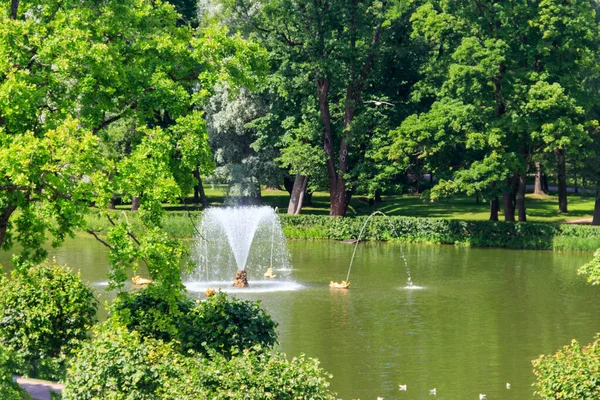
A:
<point x="9" y="389"/>
<point x="44" y="311"/>
<point x="505" y="83"/>
<point x="119" y="363"/>
<point x="225" y="325"/>
<point x="228" y="325"/>
<point x="571" y="373"/>
<point x="592" y="269"/>
<point x="437" y="230"/>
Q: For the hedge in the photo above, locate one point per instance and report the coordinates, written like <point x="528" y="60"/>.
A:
<point x="515" y="235"/>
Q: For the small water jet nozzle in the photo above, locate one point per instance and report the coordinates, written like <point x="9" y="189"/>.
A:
<point x="340" y="285"/>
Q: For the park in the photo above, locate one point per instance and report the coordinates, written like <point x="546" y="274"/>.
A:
<point x="290" y="199"/>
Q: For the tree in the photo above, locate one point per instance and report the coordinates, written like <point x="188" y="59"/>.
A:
<point x="337" y="47"/>
<point x="499" y="95"/>
<point x="68" y="72"/>
<point x="243" y="160"/>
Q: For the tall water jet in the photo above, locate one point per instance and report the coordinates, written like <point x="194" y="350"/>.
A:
<point x="240" y="241"/>
<point x="346" y="283"/>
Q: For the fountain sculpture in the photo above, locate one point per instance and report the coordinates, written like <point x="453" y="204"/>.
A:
<point x="245" y="242"/>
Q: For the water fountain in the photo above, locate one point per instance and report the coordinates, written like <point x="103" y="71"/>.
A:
<point x="345" y="284"/>
<point x="245" y="242"/>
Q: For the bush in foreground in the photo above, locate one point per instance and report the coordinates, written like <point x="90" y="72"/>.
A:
<point x="44" y="311"/>
<point x="571" y="373"/>
<point x="119" y="363"/>
<point x="9" y="390"/>
<point x="220" y="323"/>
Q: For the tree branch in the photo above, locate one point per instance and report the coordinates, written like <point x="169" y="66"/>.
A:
<point x="91" y="232"/>
<point x="114" y="118"/>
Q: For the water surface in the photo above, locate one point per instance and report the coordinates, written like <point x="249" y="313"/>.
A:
<point x="480" y="318"/>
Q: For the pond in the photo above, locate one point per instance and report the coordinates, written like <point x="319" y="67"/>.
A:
<point x="479" y="319"/>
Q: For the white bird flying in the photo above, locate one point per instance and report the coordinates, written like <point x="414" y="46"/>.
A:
<point x="379" y="103"/>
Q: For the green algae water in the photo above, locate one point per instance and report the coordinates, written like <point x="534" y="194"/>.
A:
<point x="474" y="324"/>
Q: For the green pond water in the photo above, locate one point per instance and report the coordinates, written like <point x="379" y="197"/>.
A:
<point x="479" y="319"/>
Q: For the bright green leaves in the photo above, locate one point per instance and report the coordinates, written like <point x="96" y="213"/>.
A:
<point x="50" y="179"/>
<point x="570" y="373"/>
<point x="226" y="58"/>
<point x="44" y="311"/>
<point x="592" y="269"/>
<point x="100" y="99"/>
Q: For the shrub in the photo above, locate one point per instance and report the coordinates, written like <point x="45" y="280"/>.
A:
<point x="44" y="311"/>
<point x="592" y="269"/>
<point x="121" y="364"/>
<point x="9" y="390"/>
<point x="151" y="314"/>
<point x="219" y="323"/>
<point x="223" y="324"/>
<point x="571" y="373"/>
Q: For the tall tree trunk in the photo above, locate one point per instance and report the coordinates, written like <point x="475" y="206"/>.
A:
<point x="508" y="207"/>
<point x="4" y="218"/>
<point x="199" y="194"/>
<point x="135" y="203"/>
<point x="521" y="198"/>
<point x="297" y="196"/>
<point x="494" y="208"/>
<point x="14" y="7"/>
<point x="561" y="177"/>
<point x="508" y="198"/>
<point x="537" y="187"/>
<point x="113" y="203"/>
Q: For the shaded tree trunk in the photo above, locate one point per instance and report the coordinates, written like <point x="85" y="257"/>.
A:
<point x="288" y="184"/>
<point x="135" y="203"/>
<point x="545" y="187"/>
<point x="307" y="198"/>
<point x="297" y="195"/>
<point x="561" y="177"/>
<point x="14" y="7"/>
<point x="508" y="198"/>
<point x="199" y="194"/>
<point x="537" y="187"/>
<point x="4" y="219"/>
<point x="521" y="198"/>
<point x="376" y="198"/>
<point x="113" y="203"/>
<point x="596" y="218"/>
<point x="494" y="208"/>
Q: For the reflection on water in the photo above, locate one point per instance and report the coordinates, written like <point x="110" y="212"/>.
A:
<point x="481" y="317"/>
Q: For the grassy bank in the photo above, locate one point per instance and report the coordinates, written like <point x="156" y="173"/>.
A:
<point x="530" y="235"/>
<point x="539" y="209"/>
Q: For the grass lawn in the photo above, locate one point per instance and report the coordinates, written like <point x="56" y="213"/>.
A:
<point x="464" y="208"/>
